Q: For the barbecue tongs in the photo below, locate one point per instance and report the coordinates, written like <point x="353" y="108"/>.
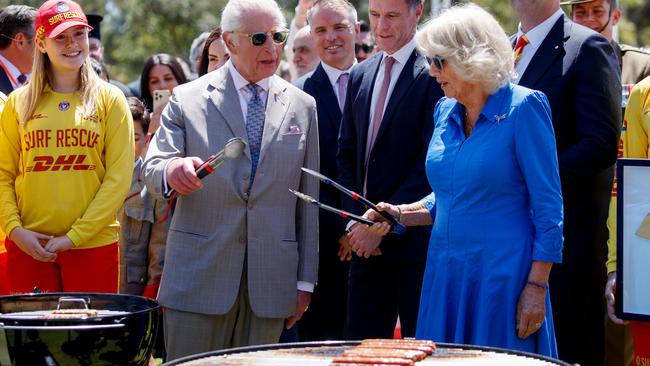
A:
<point x="396" y="226"/>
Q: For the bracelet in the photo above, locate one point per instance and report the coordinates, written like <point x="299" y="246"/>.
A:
<point x="399" y="213"/>
<point x="536" y="284"/>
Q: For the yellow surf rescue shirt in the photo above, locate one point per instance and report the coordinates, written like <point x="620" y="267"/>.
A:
<point x="63" y="172"/>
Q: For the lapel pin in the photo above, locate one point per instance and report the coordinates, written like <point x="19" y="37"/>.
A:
<point x="500" y="118"/>
<point x="556" y="47"/>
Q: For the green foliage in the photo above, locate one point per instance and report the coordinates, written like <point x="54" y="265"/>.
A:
<point x="132" y="30"/>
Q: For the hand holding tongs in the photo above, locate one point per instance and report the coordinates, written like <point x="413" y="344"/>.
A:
<point x="396" y="226"/>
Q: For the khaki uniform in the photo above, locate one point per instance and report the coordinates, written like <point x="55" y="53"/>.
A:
<point x="635" y="66"/>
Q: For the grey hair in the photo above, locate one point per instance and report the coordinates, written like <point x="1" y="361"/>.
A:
<point x="473" y="44"/>
<point x="232" y="16"/>
<point x="334" y="5"/>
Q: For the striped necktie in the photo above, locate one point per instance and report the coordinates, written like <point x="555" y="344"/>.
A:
<point x="519" y="47"/>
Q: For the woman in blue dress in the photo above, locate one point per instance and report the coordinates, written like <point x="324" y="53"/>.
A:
<point x="496" y="201"/>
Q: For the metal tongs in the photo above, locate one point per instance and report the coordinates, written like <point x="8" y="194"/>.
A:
<point x="396" y="226"/>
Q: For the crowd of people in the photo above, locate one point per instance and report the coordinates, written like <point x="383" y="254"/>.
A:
<point x="496" y="152"/>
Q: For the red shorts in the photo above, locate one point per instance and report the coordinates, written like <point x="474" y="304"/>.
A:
<point x="641" y="336"/>
<point x="75" y="270"/>
<point x="4" y="282"/>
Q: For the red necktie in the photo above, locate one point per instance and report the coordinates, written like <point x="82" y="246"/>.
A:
<point x="519" y="47"/>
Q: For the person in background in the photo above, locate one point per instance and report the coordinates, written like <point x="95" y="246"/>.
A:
<point x="364" y="42"/>
<point x="382" y="145"/>
<point x="67" y="148"/>
<point x="305" y="57"/>
<point x="333" y="26"/>
<point x="242" y="251"/>
<point x="214" y="54"/>
<point x="196" y="49"/>
<point x="602" y="16"/>
<point x="496" y="201"/>
<point x="161" y="71"/>
<point x="96" y="50"/>
<point x="578" y="71"/>
<point x="298" y="22"/>
<point x="16" y="46"/>
<point x="143" y="230"/>
<point x="100" y="70"/>
<point x="284" y="70"/>
<point x="635" y="140"/>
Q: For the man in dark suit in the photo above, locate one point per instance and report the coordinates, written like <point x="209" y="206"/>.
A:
<point x="386" y="127"/>
<point x="602" y="16"/>
<point x="333" y="26"/>
<point x="16" y="46"/>
<point x="578" y="71"/>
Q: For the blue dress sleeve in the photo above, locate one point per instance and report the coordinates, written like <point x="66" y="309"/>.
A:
<point x="537" y="157"/>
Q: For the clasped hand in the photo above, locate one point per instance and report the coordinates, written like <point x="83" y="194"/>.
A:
<point x="364" y="239"/>
<point x="30" y="242"/>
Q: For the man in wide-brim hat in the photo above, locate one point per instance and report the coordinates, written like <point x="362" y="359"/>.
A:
<point x="602" y="16"/>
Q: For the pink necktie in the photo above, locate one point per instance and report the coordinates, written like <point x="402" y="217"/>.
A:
<point x="381" y="100"/>
<point x="379" y="112"/>
<point x="343" y="85"/>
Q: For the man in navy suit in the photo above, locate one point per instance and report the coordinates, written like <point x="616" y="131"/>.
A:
<point x="386" y="127"/>
<point x="578" y="71"/>
<point x="333" y="26"/>
<point x="16" y="46"/>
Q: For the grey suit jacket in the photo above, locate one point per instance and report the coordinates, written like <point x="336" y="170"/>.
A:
<point x="215" y="230"/>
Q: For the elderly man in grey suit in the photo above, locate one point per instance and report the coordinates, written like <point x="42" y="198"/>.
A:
<point x="242" y="252"/>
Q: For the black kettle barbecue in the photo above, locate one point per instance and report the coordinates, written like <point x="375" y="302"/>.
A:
<point x="77" y="329"/>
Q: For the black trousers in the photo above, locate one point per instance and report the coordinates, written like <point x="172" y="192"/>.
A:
<point x="379" y="290"/>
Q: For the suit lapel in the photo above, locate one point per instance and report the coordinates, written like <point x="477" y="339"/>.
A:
<point x="277" y="104"/>
<point x="410" y="72"/>
<point x="225" y="98"/>
<point x="551" y="48"/>
<point x="325" y="94"/>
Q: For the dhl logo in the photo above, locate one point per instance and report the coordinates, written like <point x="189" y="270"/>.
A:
<point x="62" y="162"/>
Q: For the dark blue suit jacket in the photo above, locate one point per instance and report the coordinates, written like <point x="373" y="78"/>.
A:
<point x="396" y="164"/>
<point x="578" y="71"/>
<point x="5" y="83"/>
<point x="329" y="122"/>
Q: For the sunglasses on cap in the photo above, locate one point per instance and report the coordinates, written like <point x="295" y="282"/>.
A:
<point x="438" y="62"/>
<point x="259" y="38"/>
<point x="366" y="47"/>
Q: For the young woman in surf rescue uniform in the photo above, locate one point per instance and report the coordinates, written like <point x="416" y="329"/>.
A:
<point x="67" y="158"/>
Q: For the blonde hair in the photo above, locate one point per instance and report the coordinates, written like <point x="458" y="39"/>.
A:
<point x="89" y="86"/>
<point x="472" y="42"/>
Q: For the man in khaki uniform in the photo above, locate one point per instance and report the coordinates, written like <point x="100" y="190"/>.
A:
<point x="602" y="16"/>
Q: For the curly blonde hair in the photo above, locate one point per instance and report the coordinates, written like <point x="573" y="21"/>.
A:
<point x="472" y="42"/>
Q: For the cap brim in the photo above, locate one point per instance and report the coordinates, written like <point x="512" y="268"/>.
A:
<point x="575" y="2"/>
<point x="65" y="26"/>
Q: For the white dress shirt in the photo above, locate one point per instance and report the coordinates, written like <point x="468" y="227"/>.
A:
<point x="401" y="57"/>
<point x="535" y="38"/>
<point x="246" y="95"/>
<point x="333" y="75"/>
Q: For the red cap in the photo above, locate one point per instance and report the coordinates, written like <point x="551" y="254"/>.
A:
<point x="55" y="16"/>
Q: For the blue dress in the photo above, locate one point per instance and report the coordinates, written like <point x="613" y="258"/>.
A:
<point x="496" y="202"/>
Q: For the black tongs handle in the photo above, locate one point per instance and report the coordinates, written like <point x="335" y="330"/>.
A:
<point x="398" y="227"/>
